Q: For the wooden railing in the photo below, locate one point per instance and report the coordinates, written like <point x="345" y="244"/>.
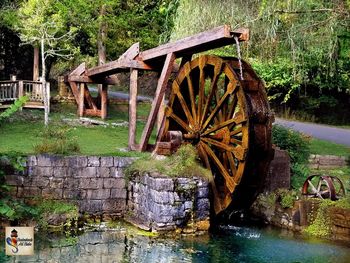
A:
<point x="12" y="90"/>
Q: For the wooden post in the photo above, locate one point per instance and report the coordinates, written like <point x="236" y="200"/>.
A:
<point x="161" y="87"/>
<point x="160" y="115"/>
<point x="81" y="100"/>
<point x="36" y="64"/>
<point x="20" y="88"/>
<point x="132" y="108"/>
<point x="104" y="99"/>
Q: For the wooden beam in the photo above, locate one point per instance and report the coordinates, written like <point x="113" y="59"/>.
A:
<point x="117" y="66"/>
<point x="85" y="79"/>
<point x="131" y="53"/>
<point x="161" y="87"/>
<point x="132" y="108"/>
<point x="75" y="90"/>
<point x="104" y="100"/>
<point x="81" y="105"/>
<point x="217" y="37"/>
<point x="79" y="70"/>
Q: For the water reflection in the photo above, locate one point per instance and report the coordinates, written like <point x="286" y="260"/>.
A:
<point x="228" y="244"/>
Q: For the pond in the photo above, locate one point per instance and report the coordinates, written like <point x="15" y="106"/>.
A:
<point x="227" y="244"/>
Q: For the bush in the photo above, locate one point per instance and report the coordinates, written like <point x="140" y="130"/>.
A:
<point x="56" y="140"/>
<point x="286" y="197"/>
<point x="298" y="147"/>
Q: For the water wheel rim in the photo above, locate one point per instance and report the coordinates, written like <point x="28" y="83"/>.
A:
<point x="214" y="119"/>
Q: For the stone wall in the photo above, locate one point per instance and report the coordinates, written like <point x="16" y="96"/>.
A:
<point x="279" y="172"/>
<point x="301" y="215"/>
<point x="327" y="161"/>
<point x="95" y="184"/>
<point x="163" y="203"/>
<point x="98" y="186"/>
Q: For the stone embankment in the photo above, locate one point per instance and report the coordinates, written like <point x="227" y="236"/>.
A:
<point x="99" y="187"/>
<point x="327" y="161"/>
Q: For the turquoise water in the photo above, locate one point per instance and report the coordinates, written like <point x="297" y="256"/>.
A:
<point x="227" y="244"/>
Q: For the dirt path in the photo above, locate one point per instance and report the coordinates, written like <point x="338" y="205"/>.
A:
<point x="323" y="132"/>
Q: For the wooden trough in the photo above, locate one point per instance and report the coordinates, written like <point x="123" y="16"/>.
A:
<point x="217" y="104"/>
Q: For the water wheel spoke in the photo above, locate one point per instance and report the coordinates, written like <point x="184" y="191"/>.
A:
<point x="201" y="95"/>
<point x="232" y="163"/>
<point x="221" y="125"/>
<point x="231" y="185"/>
<point x="238" y="151"/>
<point x="190" y="90"/>
<point x="235" y="141"/>
<point x="183" y="103"/>
<point x="213" y="89"/>
<point x="235" y="132"/>
<point x="170" y="114"/>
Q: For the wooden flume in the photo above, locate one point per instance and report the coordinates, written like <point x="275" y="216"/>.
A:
<point x="228" y="119"/>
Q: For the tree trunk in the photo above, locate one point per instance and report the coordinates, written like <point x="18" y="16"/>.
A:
<point x="44" y="86"/>
<point x="36" y="64"/>
<point x="101" y="46"/>
<point x="102" y="36"/>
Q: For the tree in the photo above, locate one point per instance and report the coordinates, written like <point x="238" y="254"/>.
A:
<point x="300" y="47"/>
<point x="38" y="25"/>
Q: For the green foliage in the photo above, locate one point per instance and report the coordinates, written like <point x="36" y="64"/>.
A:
<point x="16" y="106"/>
<point x="13" y="209"/>
<point x="300" y="48"/>
<point x="286" y="197"/>
<point x="328" y="148"/>
<point x="184" y="163"/>
<point x="321" y="226"/>
<point x="298" y="147"/>
<point x="57" y="140"/>
<point x="297" y="144"/>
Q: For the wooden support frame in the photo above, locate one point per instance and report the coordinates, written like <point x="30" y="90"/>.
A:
<point x="132" y="108"/>
<point x="151" y="59"/>
<point x="161" y="87"/>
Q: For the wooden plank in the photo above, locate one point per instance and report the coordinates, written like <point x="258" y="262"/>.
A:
<point x="132" y="108"/>
<point x="217" y="37"/>
<point x="161" y="87"/>
<point x="79" y="70"/>
<point x="131" y="53"/>
<point x="81" y="100"/>
<point x="117" y="66"/>
<point x="75" y="90"/>
<point x="92" y="113"/>
<point x="104" y="99"/>
<point x="85" y="79"/>
<point x="88" y="97"/>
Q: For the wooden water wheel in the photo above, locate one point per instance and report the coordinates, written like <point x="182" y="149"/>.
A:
<point x="227" y="119"/>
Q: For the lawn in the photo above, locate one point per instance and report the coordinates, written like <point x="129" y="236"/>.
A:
<point x="25" y="130"/>
<point x="328" y="148"/>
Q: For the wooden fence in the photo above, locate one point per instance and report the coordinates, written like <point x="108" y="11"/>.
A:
<point x="12" y="90"/>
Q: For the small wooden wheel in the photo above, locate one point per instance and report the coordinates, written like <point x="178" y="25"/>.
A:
<point x="319" y="187"/>
<point x="207" y="104"/>
<point x="338" y="187"/>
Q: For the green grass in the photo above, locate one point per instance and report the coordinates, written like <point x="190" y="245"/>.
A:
<point x="328" y="148"/>
<point x="24" y="130"/>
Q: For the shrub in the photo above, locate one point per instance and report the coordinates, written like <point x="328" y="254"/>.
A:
<point x="298" y="147"/>
<point x="13" y="108"/>
<point x="56" y="140"/>
<point x="286" y="197"/>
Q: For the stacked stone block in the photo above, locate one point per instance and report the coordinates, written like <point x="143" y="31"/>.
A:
<point x="161" y="203"/>
<point x="95" y="184"/>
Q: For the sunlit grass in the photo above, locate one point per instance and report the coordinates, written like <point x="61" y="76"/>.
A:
<point x="25" y="130"/>
<point x="328" y="148"/>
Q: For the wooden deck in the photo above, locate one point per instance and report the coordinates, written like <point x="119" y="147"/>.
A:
<point x="12" y="90"/>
